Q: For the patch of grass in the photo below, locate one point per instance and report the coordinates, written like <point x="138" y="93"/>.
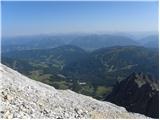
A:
<point x="102" y="91"/>
<point x="60" y="85"/>
<point x="87" y="90"/>
<point x="37" y="75"/>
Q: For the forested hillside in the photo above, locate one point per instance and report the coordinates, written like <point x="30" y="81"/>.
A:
<point x="91" y="73"/>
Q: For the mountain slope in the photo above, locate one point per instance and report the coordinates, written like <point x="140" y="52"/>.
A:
<point x="95" y="41"/>
<point x="152" y="44"/>
<point x="137" y="93"/>
<point x="108" y="63"/>
<point x="99" y="69"/>
<point x="22" y="97"/>
<point x="115" y="63"/>
<point x="55" y="58"/>
<point x="151" y="41"/>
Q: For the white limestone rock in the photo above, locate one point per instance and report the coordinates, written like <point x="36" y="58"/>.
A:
<point x="21" y="97"/>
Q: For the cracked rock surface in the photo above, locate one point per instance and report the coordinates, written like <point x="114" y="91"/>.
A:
<point x="21" y="97"/>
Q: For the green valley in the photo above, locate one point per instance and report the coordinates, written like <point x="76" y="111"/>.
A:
<point x="90" y="73"/>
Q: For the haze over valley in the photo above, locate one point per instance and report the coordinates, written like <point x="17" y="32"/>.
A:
<point x="91" y="48"/>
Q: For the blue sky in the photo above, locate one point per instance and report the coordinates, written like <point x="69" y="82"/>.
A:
<point x="29" y="18"/>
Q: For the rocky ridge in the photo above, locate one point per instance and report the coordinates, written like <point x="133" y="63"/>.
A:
<point x="137" y="93"/>
<point x="21" y="97"/>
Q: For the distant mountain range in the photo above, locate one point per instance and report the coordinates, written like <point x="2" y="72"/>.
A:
<point x="86" y="41"/>
<point x="92" y="42"/>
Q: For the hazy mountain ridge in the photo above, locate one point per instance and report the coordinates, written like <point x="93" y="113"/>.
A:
<point x="92" y="42"/>
<point x="86" y="41"/>
<point x="151" y="41"/>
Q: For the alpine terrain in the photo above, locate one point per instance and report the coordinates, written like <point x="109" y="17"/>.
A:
<point x="137" y="93"/>
<point x="22" y="97"/>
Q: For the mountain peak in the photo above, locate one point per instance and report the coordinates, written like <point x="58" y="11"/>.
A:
<point x="137" y="93"/>
<point x="22" y="97"/>
<point x="141" y="79"/>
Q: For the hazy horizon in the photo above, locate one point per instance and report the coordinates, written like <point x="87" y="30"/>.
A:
<point x="36" y="18"/>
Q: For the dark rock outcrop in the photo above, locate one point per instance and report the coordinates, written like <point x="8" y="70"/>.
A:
<point x="137" y="93"/>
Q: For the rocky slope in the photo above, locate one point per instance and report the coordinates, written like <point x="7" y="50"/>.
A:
<point x="137" y="93"/>
<point x="22" y="97"/>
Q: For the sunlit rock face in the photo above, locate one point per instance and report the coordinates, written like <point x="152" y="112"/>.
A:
<point x="22" y="97"/>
